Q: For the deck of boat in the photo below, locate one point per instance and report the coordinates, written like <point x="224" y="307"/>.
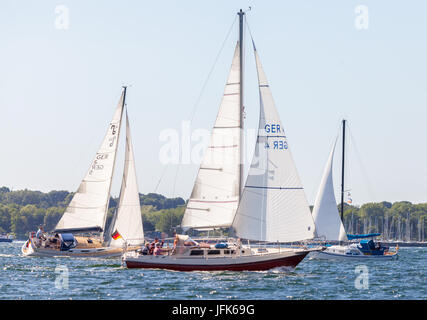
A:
<point x="87" y="242"/>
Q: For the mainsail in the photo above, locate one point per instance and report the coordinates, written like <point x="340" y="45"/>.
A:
<point x="325" y="211"/>
<point x="215" y="195"/>
<point x="127" y="220"/>
<point x="88" y="208"/>
<point x="273" y="205"/>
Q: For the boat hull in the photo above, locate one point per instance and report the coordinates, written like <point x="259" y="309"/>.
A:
<point x="103" y="252"/>
<point x="337" y="256"/>
<point x="238" y="263"/>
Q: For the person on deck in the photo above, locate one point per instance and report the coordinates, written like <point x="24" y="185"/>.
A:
<point x="153" y="245"/>
<point x="40" y="235"/>
<point x="157" y="250"/>
<point x="146" y="250"/>
<point x="239" y="243"/>
<point x="175" y="244"/>
<point x="56" y="241"/>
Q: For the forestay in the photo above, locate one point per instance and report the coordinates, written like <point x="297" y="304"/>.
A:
<point x="273" y="206"/>
<point x="87" y="210"/>
<point x="325" y="212"/>
<point x="215" y="195"/>
<point x="128" y="221"/>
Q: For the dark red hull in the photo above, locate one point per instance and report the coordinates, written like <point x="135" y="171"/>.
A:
<point x="291" y="262"/>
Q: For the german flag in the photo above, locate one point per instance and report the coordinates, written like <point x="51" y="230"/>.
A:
<point x="116" y="235"/>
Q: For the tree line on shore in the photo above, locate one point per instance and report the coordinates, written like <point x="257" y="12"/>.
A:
<point x="23" y="211"/>
<point x="400" y="220"/>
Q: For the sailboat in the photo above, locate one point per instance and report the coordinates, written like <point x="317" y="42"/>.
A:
<point x="81" y="230"/>
<point x="271" y="207"/>
<point x="329" y="224"/>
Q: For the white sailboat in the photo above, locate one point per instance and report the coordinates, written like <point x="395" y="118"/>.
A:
<point x="329" y="224"/>
<point x="270" y="207"/>
<point x="87" y="211"/>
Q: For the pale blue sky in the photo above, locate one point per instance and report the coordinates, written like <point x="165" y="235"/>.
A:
<point x="58" y="88"/>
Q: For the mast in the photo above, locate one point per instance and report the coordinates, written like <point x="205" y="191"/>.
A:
<point x="241" y="27"/>
<point x="342" y="170"/>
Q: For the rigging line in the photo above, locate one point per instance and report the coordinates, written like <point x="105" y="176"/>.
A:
<point x="211" y="70"/>
<point x="161" y="177"/>
<point x="193" y="112"/>
<point x="90" y="141"/>
<point x="250" y="33"/>
<point x="364" y="171"/>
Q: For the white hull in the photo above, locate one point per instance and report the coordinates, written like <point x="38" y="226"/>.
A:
<point x="334" y="256"/>
<point x="103" y="252"/>
<point x="348" y="253"/>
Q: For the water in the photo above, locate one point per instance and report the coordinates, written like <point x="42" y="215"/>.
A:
<point x="35" y="278"/>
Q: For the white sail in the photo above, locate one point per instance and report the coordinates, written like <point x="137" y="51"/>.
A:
<point x="128" y="221"/>
<point x="273" y="205"/>
<point x="325" y="212"/>
<point x="215" y="195"/>
<point x="88" y="208"/>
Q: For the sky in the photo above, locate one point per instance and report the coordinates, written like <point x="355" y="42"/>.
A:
<point x="63" y="63"/>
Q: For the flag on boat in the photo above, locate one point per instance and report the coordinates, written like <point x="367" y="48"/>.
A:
<point x="28" y="243"/>
<point x="116" y="235"/>
<point x="349" y="201"/>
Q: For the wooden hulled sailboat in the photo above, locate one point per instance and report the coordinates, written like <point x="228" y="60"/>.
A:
<point x="81" y="230"/>
<point x="270" y="207"/>
<point x="329" y="224"/>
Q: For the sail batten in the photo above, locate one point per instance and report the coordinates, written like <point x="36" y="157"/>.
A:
<point x="218" y="178"/>
<point x="273" y="206"/>
<point x="88" y="207"/>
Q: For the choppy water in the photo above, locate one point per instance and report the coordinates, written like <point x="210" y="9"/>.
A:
<point x="42" y="278"/>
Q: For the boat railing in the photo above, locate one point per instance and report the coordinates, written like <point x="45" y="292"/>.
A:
<point x="255" y="247"/>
